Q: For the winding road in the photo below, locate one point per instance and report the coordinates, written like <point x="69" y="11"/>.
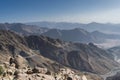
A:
<point x="113" y="71"/>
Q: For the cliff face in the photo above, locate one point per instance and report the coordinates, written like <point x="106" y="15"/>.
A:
<point x="83" y="57"/>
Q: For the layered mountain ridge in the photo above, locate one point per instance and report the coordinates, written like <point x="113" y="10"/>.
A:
<point x="74" y="35"/>
<point x="47" y="52"/>
<point x="23" y="29"/>
<point x="93" y="26"/>
<point x="83" y="57"/>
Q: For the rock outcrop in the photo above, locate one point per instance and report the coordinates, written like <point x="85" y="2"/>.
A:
<point x="11" y="73"/>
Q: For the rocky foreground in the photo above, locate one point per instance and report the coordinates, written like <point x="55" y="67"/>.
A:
<point x="10" y="72"/>
<point x="53" y="57"/>
<point x="13" y="71"/>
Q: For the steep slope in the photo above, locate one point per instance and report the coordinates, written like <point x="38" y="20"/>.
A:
<point x="47" y="52"/>
<point x="12" y="45"/>
<point x="83" y="57"/>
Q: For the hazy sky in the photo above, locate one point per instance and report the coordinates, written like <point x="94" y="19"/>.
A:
<point x="83" y="11"/>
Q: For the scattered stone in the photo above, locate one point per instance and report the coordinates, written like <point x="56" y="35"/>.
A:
<point x="37" y="73"/>
<point x="35" y="70"/>
<point x="11" y="61"/>
<point x="69" y="78"/>
<point x="29" y="71"/>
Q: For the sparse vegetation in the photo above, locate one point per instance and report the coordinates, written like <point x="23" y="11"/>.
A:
<point x="1" y="70"/>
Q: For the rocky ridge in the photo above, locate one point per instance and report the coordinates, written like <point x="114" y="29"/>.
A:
<point x="37" y="73"/>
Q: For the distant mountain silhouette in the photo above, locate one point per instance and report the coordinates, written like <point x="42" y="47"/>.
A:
<point x="94" y="26"/>
<point x="74" y="35"/>
<point x="22" y="28"/>
<point x="80" y="35"/>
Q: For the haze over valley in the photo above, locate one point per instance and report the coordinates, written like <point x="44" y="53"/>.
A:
<point x="59" y="40"/>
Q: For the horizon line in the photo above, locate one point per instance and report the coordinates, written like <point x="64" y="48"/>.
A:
<point x="61" y="22"/>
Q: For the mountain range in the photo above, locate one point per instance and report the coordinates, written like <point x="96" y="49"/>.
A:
<point x="54" y="53"/>
<point x="73" y="35"/>
<point x="93" y="26"/>
<point x="55" y="48"/>
<point x="83" y="57"/>
<point x="80" y="35"/>
<point x="23" y="29"/>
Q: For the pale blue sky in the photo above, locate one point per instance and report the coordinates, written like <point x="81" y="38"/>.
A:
<point x="83" y="11"/>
